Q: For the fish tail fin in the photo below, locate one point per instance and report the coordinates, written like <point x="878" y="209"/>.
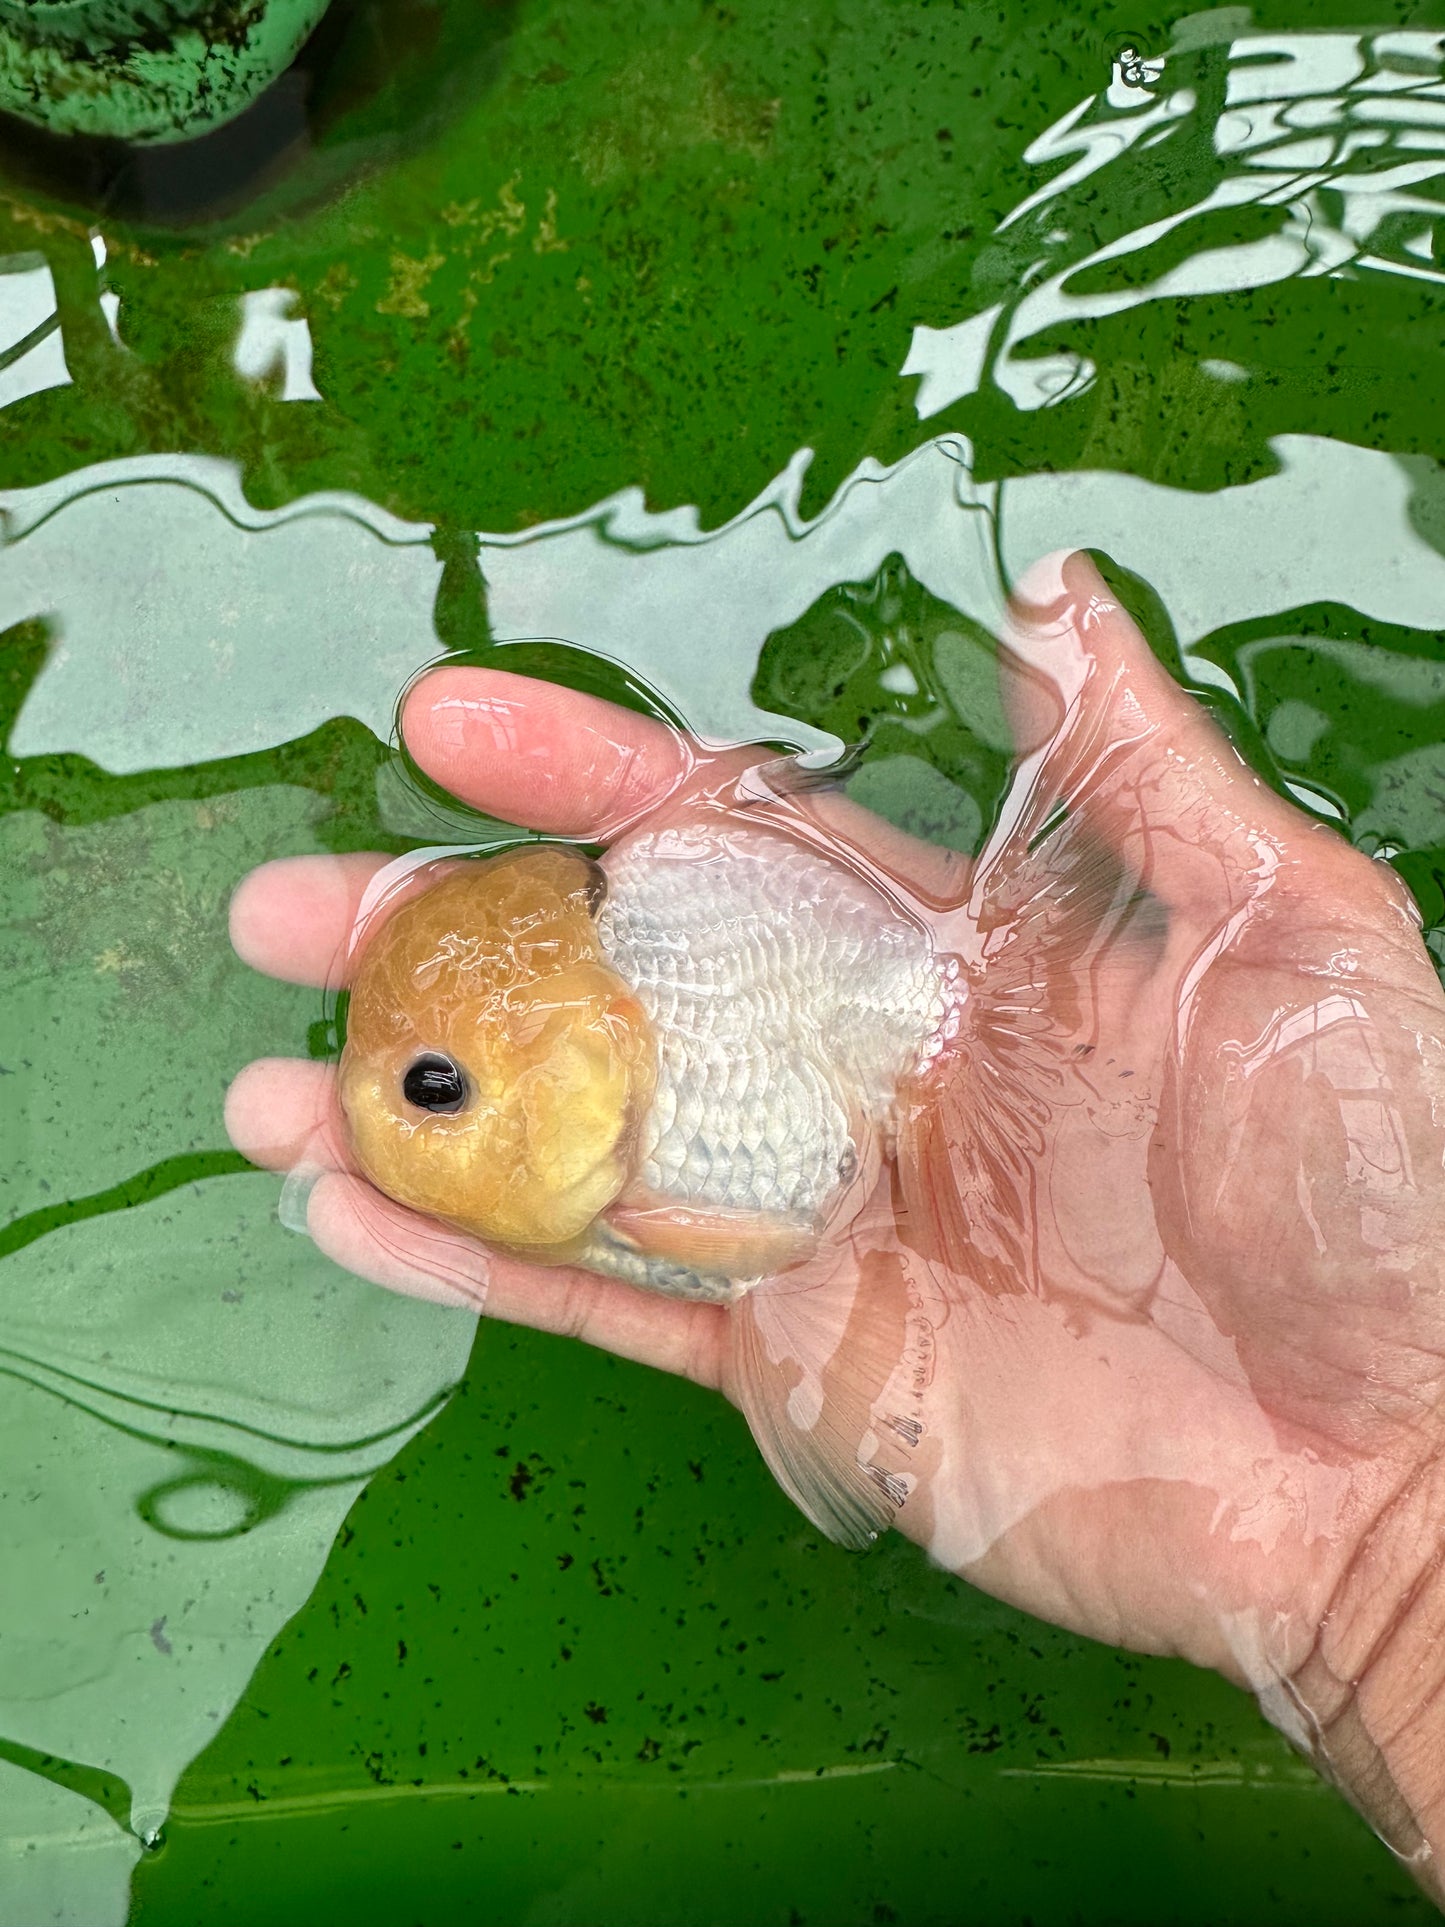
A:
<point x="830" y="1377"/>
<point x="1055" y="919"/>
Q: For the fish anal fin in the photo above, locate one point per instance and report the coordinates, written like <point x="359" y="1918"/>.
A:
<point x="831" y="1376"/>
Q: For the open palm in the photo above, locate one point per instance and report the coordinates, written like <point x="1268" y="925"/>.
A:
<point x="1148" y="1338"/>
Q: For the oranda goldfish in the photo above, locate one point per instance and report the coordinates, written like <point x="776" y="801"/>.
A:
<point x="758" y="1058"/>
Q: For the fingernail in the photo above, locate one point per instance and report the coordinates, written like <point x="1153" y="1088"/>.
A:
<point x="295" y="1200"/>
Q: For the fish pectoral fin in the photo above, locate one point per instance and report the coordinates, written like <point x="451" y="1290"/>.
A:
<point x="830" y="1378"/>
<point x="732" y="1244"/>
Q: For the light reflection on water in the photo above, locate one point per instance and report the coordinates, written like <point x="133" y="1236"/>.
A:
<point x="1338" y="134"/>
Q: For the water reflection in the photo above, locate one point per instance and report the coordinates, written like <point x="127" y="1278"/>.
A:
<point x="184" y="638"/>
<point x="32" y="355"/>
<point x="63" y="1857"/>
<point x="1256" y="159"/>
<point x="274" y="345"/>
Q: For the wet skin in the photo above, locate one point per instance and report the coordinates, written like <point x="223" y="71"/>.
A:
<point x="1186" y="1368"/>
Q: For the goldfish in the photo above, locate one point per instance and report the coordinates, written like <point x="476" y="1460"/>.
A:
<point x="680" y="1066"/>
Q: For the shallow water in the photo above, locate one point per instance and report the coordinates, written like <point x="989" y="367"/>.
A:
<point x="751" y="355"/>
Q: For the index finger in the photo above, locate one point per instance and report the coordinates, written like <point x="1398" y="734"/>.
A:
<point x="576" y="766"/>
<point x="542" y="755"/>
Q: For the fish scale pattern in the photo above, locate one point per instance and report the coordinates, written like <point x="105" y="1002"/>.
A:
<point x="788" y="999"/>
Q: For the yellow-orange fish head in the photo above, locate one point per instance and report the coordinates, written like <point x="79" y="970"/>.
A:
<point x="497" y="1070"/>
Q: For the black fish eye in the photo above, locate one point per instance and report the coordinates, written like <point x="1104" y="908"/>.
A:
<point x="435" y="1083"/>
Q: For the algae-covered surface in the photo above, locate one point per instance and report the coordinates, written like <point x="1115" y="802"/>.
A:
<point x="738" y="354"/>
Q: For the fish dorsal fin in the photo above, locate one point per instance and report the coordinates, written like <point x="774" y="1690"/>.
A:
<point x="830" y="1377"/>
<point x="1053" y="920"/>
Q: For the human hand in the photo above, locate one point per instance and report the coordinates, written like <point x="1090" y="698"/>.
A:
<point x="1174" y="1360"/>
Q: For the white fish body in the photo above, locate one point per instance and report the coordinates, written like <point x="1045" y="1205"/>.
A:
<point x="789" y="1000"/>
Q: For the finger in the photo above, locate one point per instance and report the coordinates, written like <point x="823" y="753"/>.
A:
<point x="366" y="1233"/>
<point x="1104" y="729"/>
<point x="285" y="1114"/>
<point x="382" y="1241"/>
<point x="687" y="1340"/>
<point x="573" y="765"/>
<point x="534" y="753"/>
<point x="937" y="876"/>
<point x="282" y="1112"/>
<point x="293" y="918"/>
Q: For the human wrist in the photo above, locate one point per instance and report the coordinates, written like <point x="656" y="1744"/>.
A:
<point x="1368" y="1700"/>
